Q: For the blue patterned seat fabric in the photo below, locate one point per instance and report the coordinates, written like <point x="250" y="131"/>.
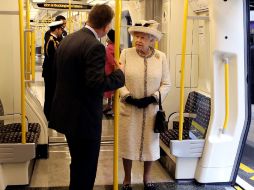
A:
<point x="193" y="128"/>
<point x="11" y="133"/>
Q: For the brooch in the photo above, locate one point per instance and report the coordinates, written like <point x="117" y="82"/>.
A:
<point x="157" y="56"/>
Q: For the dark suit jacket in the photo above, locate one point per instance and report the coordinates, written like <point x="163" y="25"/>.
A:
<point x="49" y="52"/>
<point x="80" y="84"/>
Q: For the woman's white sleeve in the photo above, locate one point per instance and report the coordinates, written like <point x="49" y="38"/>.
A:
<point x="124" y="92"/>
<point x="165" y="79"/>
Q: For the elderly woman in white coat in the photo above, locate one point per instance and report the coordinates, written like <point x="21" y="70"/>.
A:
<point x="146" y="74"/>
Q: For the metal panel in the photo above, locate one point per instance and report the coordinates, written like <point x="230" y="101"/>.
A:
<point x="16" y="152"/>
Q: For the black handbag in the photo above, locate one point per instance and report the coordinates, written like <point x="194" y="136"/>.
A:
<point x="161" y="124"/>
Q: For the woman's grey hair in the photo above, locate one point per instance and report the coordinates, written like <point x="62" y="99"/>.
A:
<point x="150" y="36"/>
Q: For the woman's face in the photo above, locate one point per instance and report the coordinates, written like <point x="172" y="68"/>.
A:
<point x="142" y="41"/>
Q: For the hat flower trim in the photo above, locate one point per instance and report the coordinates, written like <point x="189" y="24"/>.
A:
<point x="148" y="27"/>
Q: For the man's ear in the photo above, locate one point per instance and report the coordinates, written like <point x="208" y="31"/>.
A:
<point x="105" y="28"/>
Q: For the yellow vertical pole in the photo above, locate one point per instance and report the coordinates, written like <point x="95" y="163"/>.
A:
<point x="184" y="37"/>
<point x="33" y="55"/>
<point x="72" y="22"/>
<point x="80" y="19"/>
<point x="22" y="71"/>
<point x="156" y="45"/>
<point x="85" y="16"/>
<point x="226" y="94"/>
<point x="118" y="15"/>
<point x="28" y="42"/>
<point x="69" y="17"/>
<point x="42" y="41"/>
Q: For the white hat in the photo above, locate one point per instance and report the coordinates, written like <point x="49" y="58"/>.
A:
<point x="148" y="27"/>
<point x="55" y="23"/>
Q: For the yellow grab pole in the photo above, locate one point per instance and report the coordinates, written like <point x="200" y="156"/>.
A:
<point x="22" y="71"/>
<point x="80" y="19"/>
<point x="226" y="94"/>
<point x="156" y="45"/>
<point x="33" y="55"/>
<point x="85" y="17"/>
<point x="69" y="16"/>
<point x="42" y="42"/>
<point x="118" y="15"/>
<point x="184" y="37"/>
<point x="72" y="22"/>
<point x="28" y="41"/>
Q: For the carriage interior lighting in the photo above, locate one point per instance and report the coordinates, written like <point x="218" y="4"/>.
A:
<point x="93" y="2"/>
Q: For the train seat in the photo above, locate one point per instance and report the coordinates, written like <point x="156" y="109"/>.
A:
<point x="185" y="154"/>
<point x="11" y="132"/>
<point x="16" y="159"/>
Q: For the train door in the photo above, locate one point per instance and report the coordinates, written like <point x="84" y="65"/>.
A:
<point x="245" y="173"/>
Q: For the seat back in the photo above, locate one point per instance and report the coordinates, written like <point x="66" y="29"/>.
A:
<point x="191" y="103"/>
<point x="190" y="107"/>
<point x="200" y="123"/>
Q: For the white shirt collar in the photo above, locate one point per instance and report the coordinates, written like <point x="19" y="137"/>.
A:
<point x="53" y="35"/>
<point x="93" y="31"/>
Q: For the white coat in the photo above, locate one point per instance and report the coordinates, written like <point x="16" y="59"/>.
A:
<point x="143" y="77"/>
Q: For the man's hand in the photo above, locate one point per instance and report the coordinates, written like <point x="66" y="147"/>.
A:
<point x="119" y="65"/>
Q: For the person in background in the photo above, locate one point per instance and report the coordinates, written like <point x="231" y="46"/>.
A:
<point x="56" y="30"/>
<point x="59" y="39"/>
<point x="109" y="68"/>
<point x="48" y="62"/>
<point x="146" y="74"/>
<point x="78" y="100"/>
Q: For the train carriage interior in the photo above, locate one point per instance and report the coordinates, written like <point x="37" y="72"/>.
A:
<point x="209" y="143"/>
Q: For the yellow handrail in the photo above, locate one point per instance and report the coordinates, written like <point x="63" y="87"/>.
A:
<point x="22" y="71"/>
<point x="28" y="41"/>
<point x="33" y="55"/>
<point x="118" y="15"/>
<point x="226" y="93"/>
<point x="184" y="37"/>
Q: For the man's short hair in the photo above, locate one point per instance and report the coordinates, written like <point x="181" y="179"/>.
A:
<point x="100" y="16"/>
<point x="60" y="17"/>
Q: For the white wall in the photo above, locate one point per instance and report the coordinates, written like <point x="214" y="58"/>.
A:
<point x="197" y="52"/>
<point x="9" y="56"/>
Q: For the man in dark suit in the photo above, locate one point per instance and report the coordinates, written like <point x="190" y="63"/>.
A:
<point x="80" y="84"/>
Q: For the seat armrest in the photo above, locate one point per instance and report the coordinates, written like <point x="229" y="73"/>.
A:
<point x="174" y="116"/>
<point x="187" y="148"/>
<point x="13" y="116"/>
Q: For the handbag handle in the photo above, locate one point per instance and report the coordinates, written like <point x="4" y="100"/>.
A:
<point x="160" y="106"/>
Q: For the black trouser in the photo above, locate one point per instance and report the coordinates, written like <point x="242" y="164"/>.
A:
<point x="84" y="160"/>
<point x="49" y="93"/>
